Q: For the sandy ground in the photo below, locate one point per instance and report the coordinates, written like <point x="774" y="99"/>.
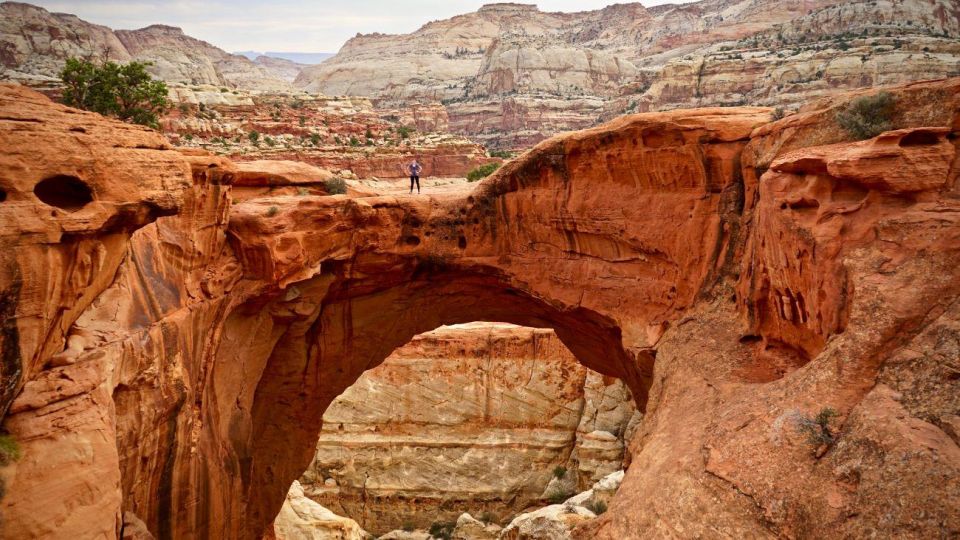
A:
<point x="434" y="187"/>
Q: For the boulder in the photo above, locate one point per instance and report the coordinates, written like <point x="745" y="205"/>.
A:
<point x="302" y="519"/>
<point x="554" y="522"/>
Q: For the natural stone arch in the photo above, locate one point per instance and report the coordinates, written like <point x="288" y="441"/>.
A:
<point x="369" y="274"/>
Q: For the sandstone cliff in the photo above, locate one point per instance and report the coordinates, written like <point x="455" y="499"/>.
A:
<point x="35" y="43"/>
<point x="781" y="301"/>
<point x="473" y="418"/>
<point x="346" y="135"/>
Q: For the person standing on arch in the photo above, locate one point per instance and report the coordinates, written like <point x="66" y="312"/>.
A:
<point x="414" y="169"/>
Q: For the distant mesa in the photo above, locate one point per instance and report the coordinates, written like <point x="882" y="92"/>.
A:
<point x="308" y="58"/>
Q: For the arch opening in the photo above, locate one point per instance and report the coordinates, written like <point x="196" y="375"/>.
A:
<point x="65" y="192"/>
<point x="484" y="418"/>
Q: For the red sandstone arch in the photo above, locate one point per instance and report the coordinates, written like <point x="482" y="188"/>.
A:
<point x="544" y="243"/>
<point x="231" y="338"/>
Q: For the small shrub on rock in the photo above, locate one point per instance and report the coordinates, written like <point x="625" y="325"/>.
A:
<point x="559" y="472"/>
<point x="272" y="211"/>
<point x="559" y="497"/>
<point x="442" y="530"/>
<point x="868" y="116"/>
<point x="335" y="186"/>
<point x="9" y="450"/>
<point x="597" y="507"/>
<point x="817" y="429"/>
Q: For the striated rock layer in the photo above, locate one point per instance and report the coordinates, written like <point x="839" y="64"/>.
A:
<point x="466" y="418"/>
<point x="740" y="276"/>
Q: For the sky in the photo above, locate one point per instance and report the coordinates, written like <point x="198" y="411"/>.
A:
<point x="288" y="25"/>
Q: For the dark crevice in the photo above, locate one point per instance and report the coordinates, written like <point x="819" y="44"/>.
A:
<point x="920" y="138"/>
<point x="64" y="192"/>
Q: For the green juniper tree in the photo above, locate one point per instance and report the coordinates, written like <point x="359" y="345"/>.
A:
<point x="125" y="91"/>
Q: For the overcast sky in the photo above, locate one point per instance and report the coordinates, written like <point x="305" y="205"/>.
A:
<point x="287" y="25"/>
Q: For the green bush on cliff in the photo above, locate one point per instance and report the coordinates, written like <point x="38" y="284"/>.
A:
<point x="482" y="171"/>
<point x="868" y="116"/>
<point x="125" y="91"/>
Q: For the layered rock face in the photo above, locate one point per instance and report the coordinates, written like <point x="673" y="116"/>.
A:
<point x="511" y="75"/>
<point x="848" y="45"/>
<point x="741" y="277"/>
<point x="346" y="135"/>
<point x="472" y="418"/>
<point x="34" y="44"/>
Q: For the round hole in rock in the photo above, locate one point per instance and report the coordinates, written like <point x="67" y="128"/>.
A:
<point x="65" y="192"/>
<point x="3" y="195"/>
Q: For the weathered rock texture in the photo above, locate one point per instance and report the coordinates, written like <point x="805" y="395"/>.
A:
<point x="738" y="275"/>
<point x="512" y="75"/>
<point x="467" y="418"/>
<point x="34" y="45"/>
